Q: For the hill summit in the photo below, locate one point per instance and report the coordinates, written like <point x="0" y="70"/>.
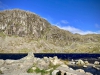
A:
<point x="23" y="31"/>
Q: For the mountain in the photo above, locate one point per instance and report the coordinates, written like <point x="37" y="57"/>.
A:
<point x="23" y="31"/>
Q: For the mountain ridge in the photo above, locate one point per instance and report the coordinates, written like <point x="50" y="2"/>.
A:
<point x="27" y="25"/>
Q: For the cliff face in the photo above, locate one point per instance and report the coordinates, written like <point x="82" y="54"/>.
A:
<point x="23" y="26"/>
<point x="22" y="23"/>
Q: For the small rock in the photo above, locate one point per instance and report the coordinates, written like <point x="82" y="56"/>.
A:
<point x="70" y="69"/>
<point x="30" y="54"/>
<point x="45" y="58"/>
<point x="72" y="62"/>
<point x="84" y="66"/>
<point x="33" y="68"/>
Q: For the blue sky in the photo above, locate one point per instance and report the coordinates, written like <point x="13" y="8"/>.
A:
<point x="77" y="16"/>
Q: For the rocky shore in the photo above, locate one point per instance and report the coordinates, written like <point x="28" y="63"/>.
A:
<point x="31" y="65"/>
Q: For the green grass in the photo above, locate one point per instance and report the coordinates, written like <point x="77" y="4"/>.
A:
<point x="53" y="66"/>
<point x="51" y="72"/>
<point x="30" y="70"/>
<point x="1" y="72"/>
<point x="41" y="71"/>
<point x="37" y="71"/>
<point x="2" y="34"/>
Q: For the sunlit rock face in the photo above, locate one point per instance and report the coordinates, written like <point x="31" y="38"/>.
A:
<point x="23" y="31"/>
<point x="22" y="23"/>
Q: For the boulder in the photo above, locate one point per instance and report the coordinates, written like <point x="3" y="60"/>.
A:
<point x="87" y="73"/>
<point x="55" y="72"/>
<point x="80" y="70"/>
<point x="64" y="66"/>
<point x="72" y="62"/>
<point x="30" y="56"/>
<point x="80" y="62"/>
<point x="46" y="59"/>
<point x="68" y="73"/>
<point x="1" y="62"/>
<point x="70" y="69"/>
<point x="84" y="66"/>
<point x="9" y="61"/>
<point x="41" y="64"/>
<point x="2" y="69"/>
<point x="56" y="61"/>
<point x="62" y="72"/>
<point x="96" y="67"/>
<point x="86" y="62"/>
<point x="36" y="60"/>
<point x="96" y="63"/>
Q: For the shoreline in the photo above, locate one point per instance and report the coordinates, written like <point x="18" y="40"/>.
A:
<point x="47" y="65"/>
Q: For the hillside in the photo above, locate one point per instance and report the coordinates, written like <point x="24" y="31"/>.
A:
<point x="23" y="31"/>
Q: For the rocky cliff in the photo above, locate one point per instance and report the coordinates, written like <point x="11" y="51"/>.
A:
<point x="24" y="31"/>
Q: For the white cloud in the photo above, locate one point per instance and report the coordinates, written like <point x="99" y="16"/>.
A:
<point x="76" y="30"/>
<point x="64" y="21"/>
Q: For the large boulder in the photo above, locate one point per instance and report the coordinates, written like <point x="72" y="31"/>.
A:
<point x="80" y="62"/>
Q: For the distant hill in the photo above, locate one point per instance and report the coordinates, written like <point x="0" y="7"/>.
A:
<point x="23" y="31"/>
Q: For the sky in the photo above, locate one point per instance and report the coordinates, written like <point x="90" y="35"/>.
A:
<point x="76" y="16"/>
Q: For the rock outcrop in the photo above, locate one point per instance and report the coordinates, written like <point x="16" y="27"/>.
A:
<point x="31" y="65"/>
<point x="23" y="31"/>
